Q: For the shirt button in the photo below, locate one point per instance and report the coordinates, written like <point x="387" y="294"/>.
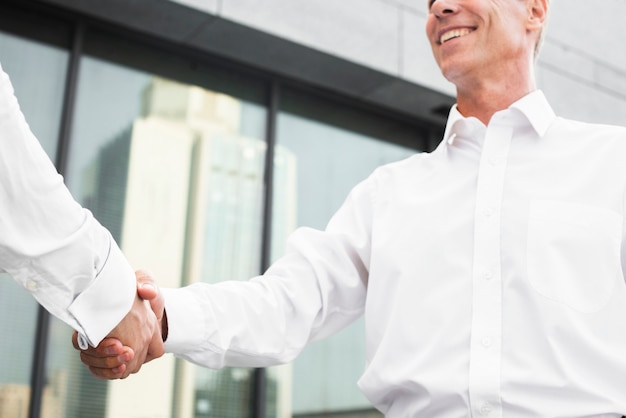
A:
<point x="486" y="342"/>
<point x="488" y="212"/>
<point x="486" y="409"/>
<point x="31" y="285"/>
<point x="488" y="275"/>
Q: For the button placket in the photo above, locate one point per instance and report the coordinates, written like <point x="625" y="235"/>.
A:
<point x="487" y="287"/>
<point x="487" y="342"/>
<point x="486" y="408"/>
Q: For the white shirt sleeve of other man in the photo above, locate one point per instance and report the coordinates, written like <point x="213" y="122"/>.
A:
<point x="48" y="242"/>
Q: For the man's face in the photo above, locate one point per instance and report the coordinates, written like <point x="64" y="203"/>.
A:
<point x="474" y="38"/>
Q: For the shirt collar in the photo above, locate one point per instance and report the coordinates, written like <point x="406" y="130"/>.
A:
<point x="454" y="120"/>
<point x="537" y="110"/>
<point x="534" y="107"/>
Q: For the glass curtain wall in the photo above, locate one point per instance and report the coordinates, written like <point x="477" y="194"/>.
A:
<point x="40" y="95"/>
<point x="322" y="151"/>
<point x="169" y="156"/>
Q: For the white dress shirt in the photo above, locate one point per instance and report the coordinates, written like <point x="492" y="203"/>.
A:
<point x="48" y="242"/>
<point x="489" y="272"/>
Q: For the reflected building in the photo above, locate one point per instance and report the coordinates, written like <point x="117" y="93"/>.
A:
<point x="14" y="398"/>
<point x="181" y="190"/>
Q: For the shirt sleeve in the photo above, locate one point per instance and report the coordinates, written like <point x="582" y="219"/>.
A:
<point x="316" y="289"/>
<point x="48" y="242"/>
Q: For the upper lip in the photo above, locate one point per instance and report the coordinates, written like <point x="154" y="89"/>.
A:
<point x="451" y="30"/>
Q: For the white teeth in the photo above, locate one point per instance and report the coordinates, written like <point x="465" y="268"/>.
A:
<point x="455" y="33"/>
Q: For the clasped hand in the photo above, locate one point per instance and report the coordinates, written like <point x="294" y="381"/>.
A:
<point x="134" y="341"/>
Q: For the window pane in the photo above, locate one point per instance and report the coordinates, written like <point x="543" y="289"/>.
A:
<point x="18" y="313"/>
<point x="40" y="94"/>
<point x="171" y="161"/>
<point x="322" y="151"/>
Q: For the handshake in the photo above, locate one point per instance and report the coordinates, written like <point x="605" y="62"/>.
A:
<point x="136" y="340"/>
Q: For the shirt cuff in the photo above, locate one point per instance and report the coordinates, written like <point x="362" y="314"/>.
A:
<point x="103" y="305"/>
<point x="186" y="321"/>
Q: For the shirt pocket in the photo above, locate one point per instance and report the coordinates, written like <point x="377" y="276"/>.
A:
<point x="573" y="253"/>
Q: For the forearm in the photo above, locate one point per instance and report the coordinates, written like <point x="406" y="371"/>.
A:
<point x="48" y="242"/>
<point x="270" y="319"/>
<point x="222" y="325"/>
<point x="315" y="290"/>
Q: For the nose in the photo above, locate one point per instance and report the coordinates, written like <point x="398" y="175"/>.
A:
<point x="441" y="8"/>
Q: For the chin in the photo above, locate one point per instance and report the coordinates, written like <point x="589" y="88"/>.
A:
<point x="455" y="71"/>
<point x="451" y="73"/>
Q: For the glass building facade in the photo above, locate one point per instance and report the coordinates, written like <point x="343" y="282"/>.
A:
<point x="200" y="169"/>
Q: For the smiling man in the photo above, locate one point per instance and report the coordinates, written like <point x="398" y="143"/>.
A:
<point x="490" y="271"/>
<point x="486" y="49"/>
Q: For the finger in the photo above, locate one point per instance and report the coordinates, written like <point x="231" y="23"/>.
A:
<point x="106" y="362"/>
<point x="131" y="370"/>
<point x="135" y="365"/>
<point x="107" y="348"/>
<point x="98" y="355"/>
<point x="109" y="374"/>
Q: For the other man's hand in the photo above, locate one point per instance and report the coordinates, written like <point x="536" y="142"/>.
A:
<point x="136" y="340"/>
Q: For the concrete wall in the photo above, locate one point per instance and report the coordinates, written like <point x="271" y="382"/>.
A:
<point x="582" y="68"/>
<point x="386" y="35"/>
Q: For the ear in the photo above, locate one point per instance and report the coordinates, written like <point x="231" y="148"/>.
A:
<point x="537" y="14"/>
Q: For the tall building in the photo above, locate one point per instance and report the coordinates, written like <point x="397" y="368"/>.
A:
<point x="186" y="199"/>
<point x="15" y="398"/>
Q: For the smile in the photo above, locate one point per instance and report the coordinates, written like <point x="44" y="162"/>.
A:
<point x="454" y="33"/>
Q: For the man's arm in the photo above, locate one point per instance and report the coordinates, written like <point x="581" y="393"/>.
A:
<point x="268" y="319"/>
<point x="53" y="246"/>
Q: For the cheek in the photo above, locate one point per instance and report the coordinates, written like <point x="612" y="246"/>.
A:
<point x="430" y="34"/>
<point x="430" y="27"/>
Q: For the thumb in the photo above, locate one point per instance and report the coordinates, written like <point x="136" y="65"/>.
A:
<point x="146" y="285"/>
<point x="147" y="289"/>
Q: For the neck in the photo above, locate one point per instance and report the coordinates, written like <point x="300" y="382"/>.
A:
<point x="486" y="96"/>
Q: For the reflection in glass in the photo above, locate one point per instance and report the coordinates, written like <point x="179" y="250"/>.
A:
<point x="319" y="160"/>
<point x="40" y="94"/>
<point x="37" y="72"/>
<point x="18" y="317"/>
<point x="175" y="171"/>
